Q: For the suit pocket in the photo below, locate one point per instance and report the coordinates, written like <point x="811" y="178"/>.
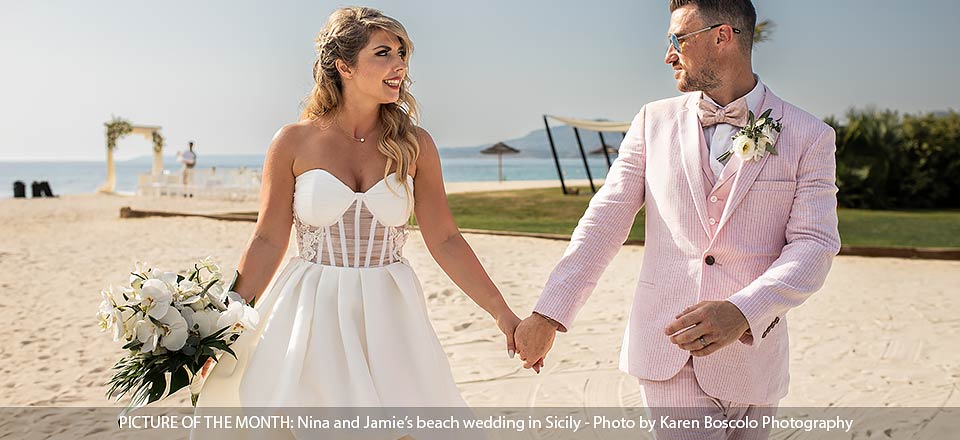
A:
<point x="774" y="185"/>
<point x="642" y="283"/>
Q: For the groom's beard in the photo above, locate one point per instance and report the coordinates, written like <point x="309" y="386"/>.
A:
<point x="704" y="80"/>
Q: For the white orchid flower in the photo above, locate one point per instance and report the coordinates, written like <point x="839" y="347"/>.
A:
<point x="140" y="272"/>
<point x="173" y="330"/>
<point x="155" y="298"/>
<point x="238" y="317"/>
<point x="216" y="290"/>
<point x="207" y="263"/>
<point x="170" y="278"/>
<point x="148" y="334"/>
<point x="235" y="297"/>
<point x="110" y="296"/>
<point x="108" y="316"/>
<point x="187" y="314"/>
<point x="200" y="304"/>
<point x="189" y="288"/>
<point x="205" y="322"/>
<point x="126" y="327"/>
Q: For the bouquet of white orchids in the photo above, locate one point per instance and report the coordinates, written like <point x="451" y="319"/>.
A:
<point x="171" y="324"/>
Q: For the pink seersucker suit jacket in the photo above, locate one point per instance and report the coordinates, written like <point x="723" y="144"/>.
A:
<point x="770" y="250"/>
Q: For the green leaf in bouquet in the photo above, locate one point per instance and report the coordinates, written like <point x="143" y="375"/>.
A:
<point x="752" y="119"/>
<point x="222" y="345"/>
<point x="157" y="387"/>
<point x="231" y="352"/>
<point x="209" y="285"/>
<point x="215" y="335"/>
<point x="218" y="344"/>
<point x="179" y="379"/>
<point x="766" y="113"/>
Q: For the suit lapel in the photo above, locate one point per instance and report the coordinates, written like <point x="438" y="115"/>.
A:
<point x="749" y="170"/>
<point x="691" y="135"/>
<point x="729" y="170"/>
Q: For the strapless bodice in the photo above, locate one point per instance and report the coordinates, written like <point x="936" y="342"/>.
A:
<point x="339" y="227"/>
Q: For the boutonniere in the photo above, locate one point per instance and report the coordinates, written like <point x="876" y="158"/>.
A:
<point x="754" y="140"/>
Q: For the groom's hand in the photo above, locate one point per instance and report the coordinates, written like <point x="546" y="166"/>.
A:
<point x="534" y="338"/>
<point x="707" y="327"/>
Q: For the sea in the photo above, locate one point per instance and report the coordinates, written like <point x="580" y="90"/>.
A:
<point x="86" y="177"/>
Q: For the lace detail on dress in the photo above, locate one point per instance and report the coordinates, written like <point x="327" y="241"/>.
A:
<point x="398" y="238"/>
<point x="309" y="239"/>
<point x="357" y="239"/>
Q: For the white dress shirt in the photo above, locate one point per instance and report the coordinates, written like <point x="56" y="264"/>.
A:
<point x="719" y="136"/>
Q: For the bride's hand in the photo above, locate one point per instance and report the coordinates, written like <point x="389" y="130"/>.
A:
<point x="508" y="323"/>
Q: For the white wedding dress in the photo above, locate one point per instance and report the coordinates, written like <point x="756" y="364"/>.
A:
<point x="344" y="324"/>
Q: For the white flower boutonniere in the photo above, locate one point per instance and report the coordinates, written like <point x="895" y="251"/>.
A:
<point x="754" y="140"/>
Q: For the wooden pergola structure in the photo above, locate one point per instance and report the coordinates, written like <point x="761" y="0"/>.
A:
<point x="586" y="124"/>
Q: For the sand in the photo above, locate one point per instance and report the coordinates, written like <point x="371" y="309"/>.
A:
<point x="882" y="332"/>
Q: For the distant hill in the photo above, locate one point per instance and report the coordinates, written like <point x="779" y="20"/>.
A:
<point x="533" y="145"/>
<point x="536" y="145"/>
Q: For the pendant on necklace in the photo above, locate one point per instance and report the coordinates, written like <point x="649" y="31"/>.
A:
<point x="362" y="140"/>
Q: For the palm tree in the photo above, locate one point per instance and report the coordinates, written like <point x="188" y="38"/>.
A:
<point x="866" y="148"/>
<point x="763" y="30"/>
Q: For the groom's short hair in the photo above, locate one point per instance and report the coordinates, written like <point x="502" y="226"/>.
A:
<point x="738" y="13"/>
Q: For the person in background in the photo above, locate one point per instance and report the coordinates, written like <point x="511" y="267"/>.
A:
<point x="189" y="160"/>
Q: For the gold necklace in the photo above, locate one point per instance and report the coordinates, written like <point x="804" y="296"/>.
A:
<point x="337" y="122"/>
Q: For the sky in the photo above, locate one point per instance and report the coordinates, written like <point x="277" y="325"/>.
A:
<point x="228" y="74"/>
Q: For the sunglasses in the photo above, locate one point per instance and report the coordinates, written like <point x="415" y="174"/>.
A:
<point x="675" y="39"/>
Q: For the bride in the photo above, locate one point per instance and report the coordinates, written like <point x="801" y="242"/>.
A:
<point x="344" y="323"/>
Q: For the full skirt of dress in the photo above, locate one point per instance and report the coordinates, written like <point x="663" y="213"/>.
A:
<point x="334" y="337"/>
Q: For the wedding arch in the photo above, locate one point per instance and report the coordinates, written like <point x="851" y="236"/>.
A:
<point x="118" y="128"/>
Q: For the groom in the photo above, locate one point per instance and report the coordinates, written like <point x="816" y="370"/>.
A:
<point x="731" y="246"/>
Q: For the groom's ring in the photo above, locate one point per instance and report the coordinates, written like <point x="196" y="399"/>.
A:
<point x="703" y="341"/>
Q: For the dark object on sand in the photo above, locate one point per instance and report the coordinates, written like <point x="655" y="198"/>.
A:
<point x="41" y="189"/>
<point x="45" y="189"/>
<point x="19" y="190"/>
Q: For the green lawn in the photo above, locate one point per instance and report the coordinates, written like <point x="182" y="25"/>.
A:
<point x="548" y="211"/>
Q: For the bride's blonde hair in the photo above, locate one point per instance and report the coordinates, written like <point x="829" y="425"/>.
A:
<point x="347" y="31"/>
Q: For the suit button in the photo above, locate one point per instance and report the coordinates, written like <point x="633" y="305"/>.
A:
<point x="713" y="199"/>
<point x="710" y="260"/>
<point x="713" y="221"/>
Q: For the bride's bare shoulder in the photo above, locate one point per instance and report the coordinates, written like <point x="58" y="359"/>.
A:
<point x="293" y="136"/>
<point x="297" y="132"/>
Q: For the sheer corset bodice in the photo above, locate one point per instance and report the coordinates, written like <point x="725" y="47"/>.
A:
<point x="342" y="325"/>
<point x="336" y="226"/>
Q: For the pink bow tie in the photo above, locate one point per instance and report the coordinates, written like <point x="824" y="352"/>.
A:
<point x="734" y="114"/>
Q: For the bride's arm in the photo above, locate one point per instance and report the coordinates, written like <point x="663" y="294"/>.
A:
<point x="442" y="237"/>
<point x="267" y="246"/>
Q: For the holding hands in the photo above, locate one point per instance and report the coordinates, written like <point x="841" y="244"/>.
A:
<point x="508" y="322"/>
<point x="701" y="329"/>
<point x="534" y="338"/>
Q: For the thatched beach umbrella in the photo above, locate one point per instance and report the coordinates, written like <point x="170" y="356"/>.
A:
<point x="500" y="149"/>
<point x="599" y="150"/>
